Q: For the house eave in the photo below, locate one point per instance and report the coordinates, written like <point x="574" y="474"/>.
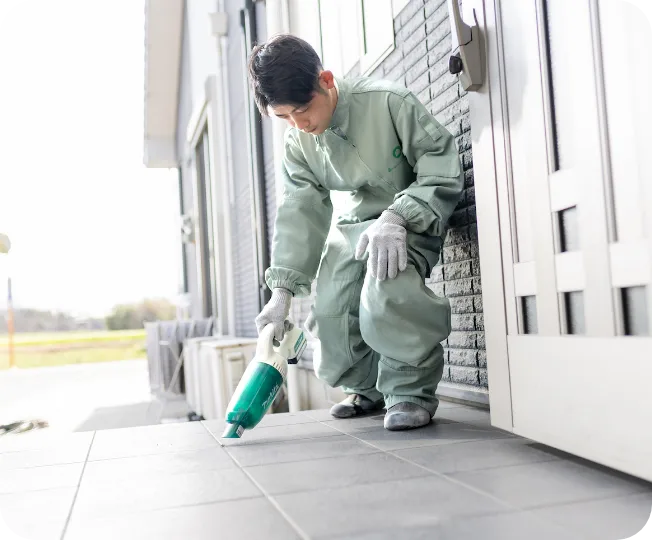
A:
<point x="163" y="44"/>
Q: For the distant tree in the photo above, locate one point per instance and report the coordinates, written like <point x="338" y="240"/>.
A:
<point x="34" y="320"/>
<point x="133" y="316"/>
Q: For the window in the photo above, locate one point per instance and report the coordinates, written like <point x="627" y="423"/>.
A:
<point x="355" y="31"/>
<point x="377" y="33"/>
<point x="635" y="311"/>
<point x="530" y="323"/>
<point x="206" y="244"/>
<point x="574" y="308"/>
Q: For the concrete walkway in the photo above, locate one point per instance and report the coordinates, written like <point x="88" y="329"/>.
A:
<point x="306" y="475"/>
<point x="81" y="397"/>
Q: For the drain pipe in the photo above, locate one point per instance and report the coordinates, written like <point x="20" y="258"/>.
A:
<point x="277" y="14"/>
<point x="257" y="163"/>
<point x="223" y="165"/>
<point x="278" y="22"/>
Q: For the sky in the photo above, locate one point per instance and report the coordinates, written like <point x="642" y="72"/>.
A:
<point x="90" y="226"/>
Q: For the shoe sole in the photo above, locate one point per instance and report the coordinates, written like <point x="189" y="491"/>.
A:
<point x="403" y="427"/>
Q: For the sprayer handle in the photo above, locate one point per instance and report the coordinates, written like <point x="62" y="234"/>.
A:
<point x="287" y="348"/>
<point x="265" y="344"/>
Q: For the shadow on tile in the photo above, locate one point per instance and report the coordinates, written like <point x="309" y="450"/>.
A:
<point x="370" y="422"/>
<point x="477" y="417"/>
<point x="361" y="423"/>
<point x="434" y="434"/>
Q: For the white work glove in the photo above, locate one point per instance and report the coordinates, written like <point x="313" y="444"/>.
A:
<point x="387" y="242"/>
<point x="276" y="312"/>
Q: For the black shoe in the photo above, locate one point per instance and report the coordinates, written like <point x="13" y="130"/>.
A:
<point x="354" y="405"/>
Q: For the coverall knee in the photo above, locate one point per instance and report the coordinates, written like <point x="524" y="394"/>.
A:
<point x="379" y="338"/>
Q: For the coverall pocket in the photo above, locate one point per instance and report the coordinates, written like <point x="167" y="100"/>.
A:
<point x="337" y="301"/>
<point x="335" y="358"/>
<point x="432" y="130"/>
<point x="339" y="273"/>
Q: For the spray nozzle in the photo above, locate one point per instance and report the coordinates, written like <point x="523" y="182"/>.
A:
<point x="232" y="431"/>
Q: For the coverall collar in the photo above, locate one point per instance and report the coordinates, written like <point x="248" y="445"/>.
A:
<point x="340" y="117"/>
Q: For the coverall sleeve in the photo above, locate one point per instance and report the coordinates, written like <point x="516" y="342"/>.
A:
<point x="303" y="220"/>
<point x="430" y="149"/>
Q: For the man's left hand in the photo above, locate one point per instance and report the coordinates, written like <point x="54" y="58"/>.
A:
<point x="387" y="243"/>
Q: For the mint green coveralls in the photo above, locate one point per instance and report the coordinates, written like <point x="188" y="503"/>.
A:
<point x="378" y="338"/>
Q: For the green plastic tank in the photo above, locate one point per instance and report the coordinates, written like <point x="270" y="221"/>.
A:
<point x="262" y="380"/>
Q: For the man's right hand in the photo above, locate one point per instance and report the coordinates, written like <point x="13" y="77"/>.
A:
<point x="276" y="312"/>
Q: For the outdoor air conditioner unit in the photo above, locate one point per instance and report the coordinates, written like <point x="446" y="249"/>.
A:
<point x="220" y="366"/>
<point x="192" y="376"/>
<point x="165" y="343"/>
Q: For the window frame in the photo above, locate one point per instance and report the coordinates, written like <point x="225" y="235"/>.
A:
<point x="368" y="61"/>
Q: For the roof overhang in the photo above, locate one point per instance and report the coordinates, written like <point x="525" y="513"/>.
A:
<point x="163" y="42"/>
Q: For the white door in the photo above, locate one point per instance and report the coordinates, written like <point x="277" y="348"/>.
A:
<point x="561" y="153"/>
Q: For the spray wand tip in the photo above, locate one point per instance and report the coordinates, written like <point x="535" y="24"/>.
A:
<point x="232" y="431"/>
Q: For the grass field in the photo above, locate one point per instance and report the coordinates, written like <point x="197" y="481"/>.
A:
<point x="61" y="348"/>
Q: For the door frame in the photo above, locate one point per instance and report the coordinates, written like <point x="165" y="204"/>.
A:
<point x="538" y="414"/>
<point x="207" y="117"/>
<point x="490" y="147"/>
<point x="204" y="234"/>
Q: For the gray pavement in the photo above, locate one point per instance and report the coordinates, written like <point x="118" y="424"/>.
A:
<point x="306" y="475"/>
<point x="83" y="397"/>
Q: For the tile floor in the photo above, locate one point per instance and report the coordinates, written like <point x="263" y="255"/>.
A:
<point x="306" y="475"/>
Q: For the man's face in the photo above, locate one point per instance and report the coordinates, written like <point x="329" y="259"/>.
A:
<point x="315" y="116"/>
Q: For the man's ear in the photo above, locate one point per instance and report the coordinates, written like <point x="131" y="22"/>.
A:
<point x="327" y="80"/>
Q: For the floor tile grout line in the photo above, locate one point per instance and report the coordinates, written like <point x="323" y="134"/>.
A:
<point x="81" y="477"/>
<point x="438" y="421"/>
<point x="75" y="462"/>
<point x="505" y="504"/>
<point x="161" y="509"/>
<point x="412" y="447"/>
<point x="495" y="467"/>
<point x="465" y="441"/>
<point x="256" y="443"/>
<point x="310" y="460"/>
<point x="271" y="499"/>
<point x="153" y="454"/>
<point x="441" y="476"/>
<point x="582" y="501"/>
<point x="56" y="488"/>
<point x="62" y="464"/>
<point x="38" y="448"/>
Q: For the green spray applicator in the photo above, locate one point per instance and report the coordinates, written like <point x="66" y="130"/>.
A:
<point x="262" y="380"/>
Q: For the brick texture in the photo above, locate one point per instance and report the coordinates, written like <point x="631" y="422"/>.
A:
<point x="458" y="275"/>
<point x="420" y="62"/>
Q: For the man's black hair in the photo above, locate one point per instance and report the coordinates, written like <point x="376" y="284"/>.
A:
<point x="284" y="71"/>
